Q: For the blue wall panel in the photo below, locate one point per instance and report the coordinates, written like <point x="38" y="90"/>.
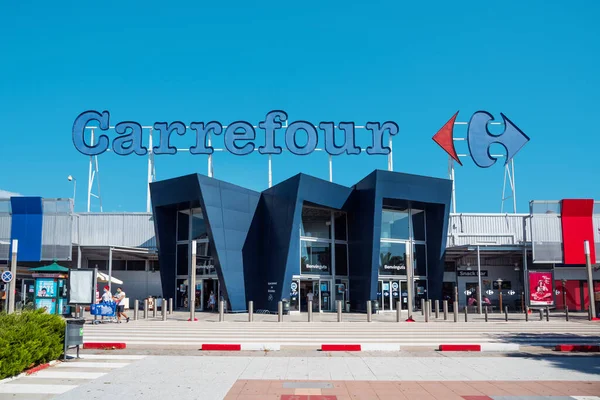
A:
<point x="26" y="227"/>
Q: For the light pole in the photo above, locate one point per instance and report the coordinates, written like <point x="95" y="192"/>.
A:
<point x="71" y="179"/>
<point x="499" y="281"/>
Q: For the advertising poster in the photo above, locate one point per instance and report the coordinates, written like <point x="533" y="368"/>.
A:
<point x="47" y="305"/>
<point x="45" y="287"/>
<point x="540" y="288"/>
<point x="63" y="308"/>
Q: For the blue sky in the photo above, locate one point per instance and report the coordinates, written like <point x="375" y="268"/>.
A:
<point x="415" y="63"/>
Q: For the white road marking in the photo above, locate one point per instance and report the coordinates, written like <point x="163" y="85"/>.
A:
<point x="91" y="365"/>
<point x="35" y="389"/>
<point x="49" y="374"/>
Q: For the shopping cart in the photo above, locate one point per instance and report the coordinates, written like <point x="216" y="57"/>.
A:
<point x="104" y="309"/>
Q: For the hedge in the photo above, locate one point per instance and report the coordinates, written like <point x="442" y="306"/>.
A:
<point x="29" y="339"/>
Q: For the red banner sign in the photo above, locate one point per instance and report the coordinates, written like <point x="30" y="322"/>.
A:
<point x="540" y="288"/>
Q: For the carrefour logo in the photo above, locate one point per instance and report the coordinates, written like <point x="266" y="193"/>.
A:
<point x="479" y="138"/>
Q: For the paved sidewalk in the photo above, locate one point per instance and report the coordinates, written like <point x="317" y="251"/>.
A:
<point x="213" y="377"/>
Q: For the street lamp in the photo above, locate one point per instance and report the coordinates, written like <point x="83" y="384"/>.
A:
<point x="71" y="179"/>
<point x="499" y="281"/>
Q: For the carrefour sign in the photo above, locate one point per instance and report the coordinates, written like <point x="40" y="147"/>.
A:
<point x="239" y="136"/>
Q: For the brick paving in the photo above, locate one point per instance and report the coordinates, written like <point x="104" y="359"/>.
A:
<point x="393" y="390"/>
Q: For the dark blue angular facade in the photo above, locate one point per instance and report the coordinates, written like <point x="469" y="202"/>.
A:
<point x="255" y="237"/>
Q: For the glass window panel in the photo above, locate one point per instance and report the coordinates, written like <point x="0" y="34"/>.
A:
<point x="392" y="259"/>
<point x="182" y="259"/>
<point x="341" y="259"/>
<point x="394" y="224"/>
<point x="136" y="265"/>
<point x="117" y="265"/>
<point x="315" y="258"/>
<point x="316" y="223"/>
<point x="340" y="225"/>
<point x="204" y="261"/>
<point x="183" y="225"/>
<point x="420" y="254"/>
<point x="418" y="224"/>
<point x="199" y="229"/>
<point x="102" y="265"/>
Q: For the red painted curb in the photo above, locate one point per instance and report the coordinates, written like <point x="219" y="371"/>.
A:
<point x="460" y="347"/>
<point x="222" y="347"/>
<point x="190" y="320"/>
<point x="340" y="347"/>
<point x="104" y="346"/>
<point x="36" y="369"/>
<point x="410" y="320"/>
<point x="588" y="348"/>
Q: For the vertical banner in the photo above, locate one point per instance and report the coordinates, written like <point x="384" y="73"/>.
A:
<point x="540" y="288"/>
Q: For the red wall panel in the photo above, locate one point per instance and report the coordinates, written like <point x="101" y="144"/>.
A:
<point x="577" y="226"/>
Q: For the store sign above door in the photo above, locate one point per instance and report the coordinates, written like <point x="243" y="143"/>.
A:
<point x="480" y="139"/>
<point x="238" y="136"/>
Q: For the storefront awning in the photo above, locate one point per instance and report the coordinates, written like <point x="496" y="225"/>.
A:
<point x="105" y="278"/>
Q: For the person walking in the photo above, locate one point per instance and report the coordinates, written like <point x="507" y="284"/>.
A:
<point x="212" y="301"/>
<point x="120" y="300"/>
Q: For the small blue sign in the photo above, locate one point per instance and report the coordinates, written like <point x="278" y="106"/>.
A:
<point x="7" y="276"/>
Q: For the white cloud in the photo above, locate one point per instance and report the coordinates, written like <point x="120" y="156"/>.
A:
<point x="4" y="194"/>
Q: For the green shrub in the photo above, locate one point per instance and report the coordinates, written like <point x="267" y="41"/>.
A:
<point x="29" y="339"/>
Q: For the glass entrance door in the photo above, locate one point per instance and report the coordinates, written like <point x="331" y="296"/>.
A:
<point x="389" y="292"/>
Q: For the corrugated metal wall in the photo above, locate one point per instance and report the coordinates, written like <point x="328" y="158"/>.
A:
<point x="56" y="229"/>
<point x="114" y="229"/>
<point x="486" y="229"/>
<point x="5" y="224"/>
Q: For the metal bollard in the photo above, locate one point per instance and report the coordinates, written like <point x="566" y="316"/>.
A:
<point x="437" y="309"/>
<point x="455" y="310"/>
<point x="369" y="312"/>
<point x="547" y="314"/>
<point x="506" y="313"/>
<point x="567" y="313"/>
<point x="445" y="305"/>
<point x="426" y="314"/>
<point x="163" y="310"/>
<point x="170" y="305"/>
<point x="339" y="310"/>
<point x="155" y="302"/>
<point x="398" y="311"/>
<point x="526" y="313"/>
<point x="541" y="314"/>
<point x="250" y="311"/>
<point x="429" y="308"/>
<point x="136" y="309"/>
<point x="279" y="311"/>
<point x="146" y="309"/>
<point x="485" y="311"/>
<point x="310" y="311"/>
<point x="422" y="306"/>
<point x="466" y="314"/>
<point x="221" y="310"/>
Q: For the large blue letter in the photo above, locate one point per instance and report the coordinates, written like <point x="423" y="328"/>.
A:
<point x="232" y="134"/>
<point x="292" y="144"/>
<point x="349" y="146"/>
<point x="270" y="124"/>
<point x="79" y="132"/>
<point x="164" y="129"/>
<point x="202" y="146"/>
<point x="378" y="131"/>
<point x="131" y="142"/>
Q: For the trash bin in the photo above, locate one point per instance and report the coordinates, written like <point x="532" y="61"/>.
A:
<point x="73" y="334"/>
<point x="286" y="306"/>
<point x="375" y="306"/>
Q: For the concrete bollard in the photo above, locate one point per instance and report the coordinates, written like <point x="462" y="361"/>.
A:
<point x="310" y="311"/>
<point x="155" y="302"/>
<point x="338" y="305"/>
<point x="170" y="305"/>
<point x="547" y="314"/>
<point x="163" y="310"/>
<point x="485" y="311"/>
<point x="422" y="306"/>
<point x="506" y="313"/>
<point x="455" y="310"/>
<point x="466" y="314"/>
<point x="567" y="313"/>
<point x="250" y="311"/>
<point x="279" y="311"/>
<point x="445" y="305"/>
<point x="526" y="313"/>
<point x="136" y="309"/>
<point x="398" y="311"/>
<point x="369" y="312"/>
<point x="437" y="309"/>
<point x="221" y="310"/>
<point x="146" y="309"/>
